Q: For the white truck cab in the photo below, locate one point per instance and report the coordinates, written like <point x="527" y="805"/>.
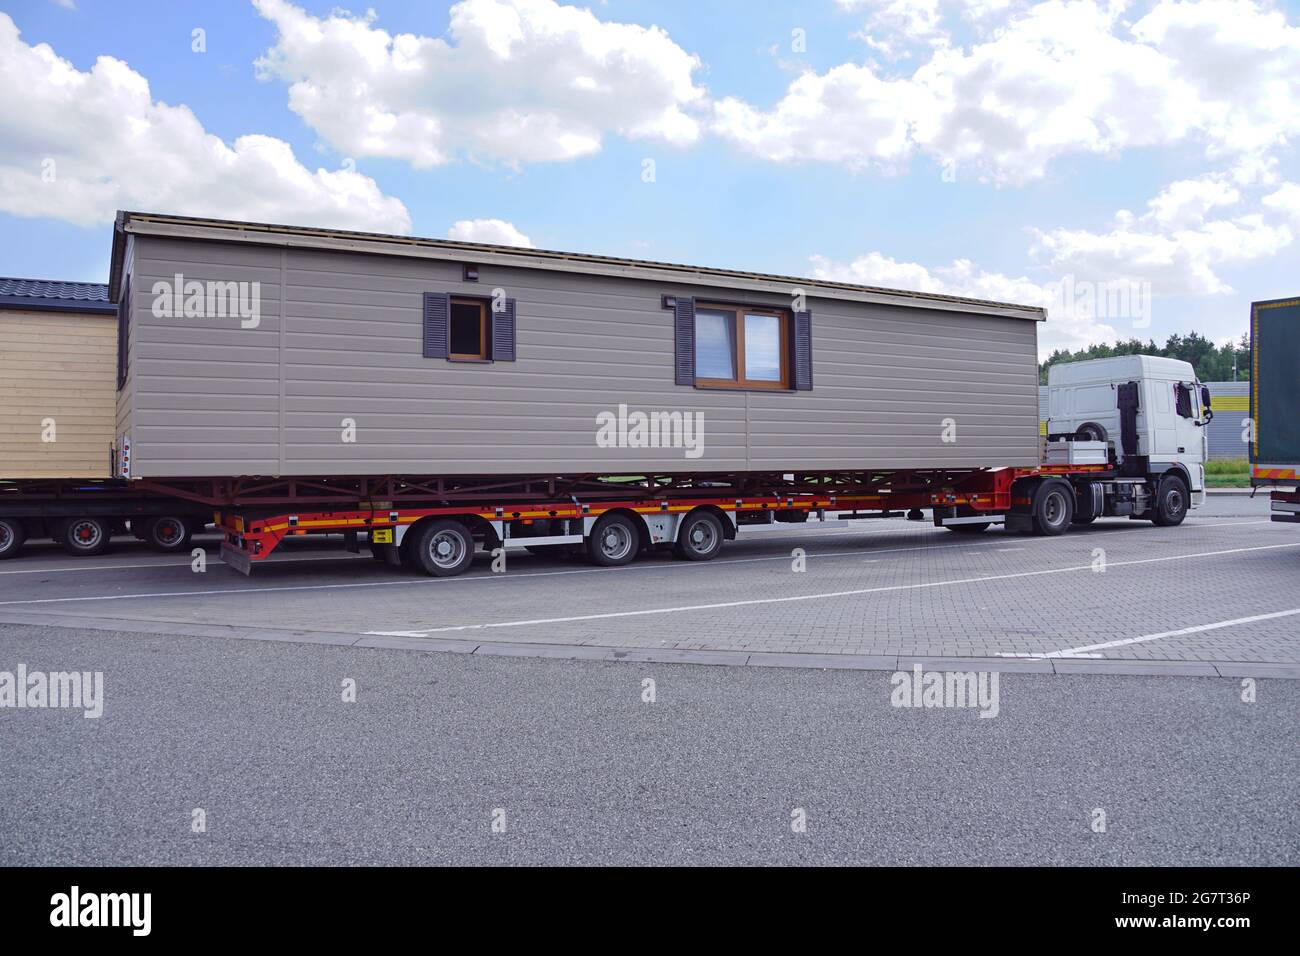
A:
<point x="1151" y="411"/>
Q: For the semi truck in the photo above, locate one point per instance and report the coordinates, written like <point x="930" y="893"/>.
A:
<point x="430" y="399"/>
<point x="1274" y="423"/>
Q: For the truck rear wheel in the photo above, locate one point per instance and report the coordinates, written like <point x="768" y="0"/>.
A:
<point x="613" y="541"/>
<point x="168" y="533"/>
<point x="443" y="548"/>
<point x="12" y="535"/>
<point x="85" y="536"/>
<point x="700" y="537"/>
<point x="1053" y="508"/>
<point x="1170" y="507"/>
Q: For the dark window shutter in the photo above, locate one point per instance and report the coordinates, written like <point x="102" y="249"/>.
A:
<point x="803" y="372"/>
<point x="684" y="337"/>
<point x="437" y="320"/>
<point x="123" y="333"/>
<point x="503" y="333"/>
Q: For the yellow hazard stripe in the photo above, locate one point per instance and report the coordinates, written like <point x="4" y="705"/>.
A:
<point x="1290" y="473"/>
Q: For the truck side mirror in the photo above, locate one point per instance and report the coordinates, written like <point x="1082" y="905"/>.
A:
<point x="1205" y="397"/>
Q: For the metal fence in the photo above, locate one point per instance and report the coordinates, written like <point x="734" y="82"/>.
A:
<point x="1231" y="404"/>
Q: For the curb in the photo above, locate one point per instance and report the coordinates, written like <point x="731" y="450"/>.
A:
<point x="649" y="655"/>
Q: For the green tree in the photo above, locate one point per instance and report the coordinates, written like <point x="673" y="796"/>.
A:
<point x="1213" y="363"/>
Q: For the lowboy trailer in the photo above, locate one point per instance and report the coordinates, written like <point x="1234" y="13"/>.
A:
<point x="442" y="540"/>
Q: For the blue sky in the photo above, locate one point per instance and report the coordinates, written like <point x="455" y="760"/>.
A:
<point x="995" y="148"/>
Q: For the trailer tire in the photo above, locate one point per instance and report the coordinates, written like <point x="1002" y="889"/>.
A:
<point x="85" y="536"/>
<point x="443" y="548"/>
<point x="1170" y="507"/>
<point x="168" y="533"/>
<point x="1053" y="508"/>
<point x="614" y="541"/>
<point x="12" y="536"/>
<point x="699" y="538"/>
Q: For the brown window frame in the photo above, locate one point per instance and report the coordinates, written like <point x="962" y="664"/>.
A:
<point x="483" y="330"/>
<point x="740" y="382"/>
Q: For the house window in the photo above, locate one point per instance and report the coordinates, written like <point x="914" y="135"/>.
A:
<point x="738" y="347"/>
<point x="468" y="329"/>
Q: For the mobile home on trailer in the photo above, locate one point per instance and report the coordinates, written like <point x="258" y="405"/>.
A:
<point x="430" y="398"/>
<point x="250" y="347"/>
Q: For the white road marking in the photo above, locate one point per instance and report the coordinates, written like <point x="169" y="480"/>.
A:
<point x="820" y="596"/>
<point x="1196" y="629"/>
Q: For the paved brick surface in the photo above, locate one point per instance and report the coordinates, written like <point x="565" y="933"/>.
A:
<point x="886" y="589"/>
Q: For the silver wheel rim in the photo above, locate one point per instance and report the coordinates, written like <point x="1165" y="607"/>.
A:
<point x="6" y="538"/>
<point x="703" y="537"/>
<point x="85" y="534"/>
<point x="447" y="549"/>
<point x="1174" y="501"/>
<point x="1054" y="508"/>
<point x="615" y="541"/>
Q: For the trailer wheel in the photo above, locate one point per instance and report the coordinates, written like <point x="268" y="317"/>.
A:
<point x="443" y="548"/>
<point x="1171" y="502"/>
<point x="613" y="541"/>
<point x="168" y="533"/>
<point x="1053" y="508"/>
<point x="700" y="537"/>
<point x="12" y="536"/>
<point x="85" y="536"/>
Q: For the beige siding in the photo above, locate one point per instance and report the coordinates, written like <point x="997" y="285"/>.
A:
<point x="212" y="398"/>
<point x="60" y="366"/>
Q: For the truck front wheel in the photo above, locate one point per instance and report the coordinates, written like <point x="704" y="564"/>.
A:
<point x="12" y="535"/>
<point x="1171" y="502"/>
<point x="1053" y="508"/>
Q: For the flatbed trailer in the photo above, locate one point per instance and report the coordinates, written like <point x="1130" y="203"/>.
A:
<point x="441" y="539"/>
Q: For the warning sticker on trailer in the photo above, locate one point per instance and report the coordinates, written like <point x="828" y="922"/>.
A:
<point x="381" y="536"/>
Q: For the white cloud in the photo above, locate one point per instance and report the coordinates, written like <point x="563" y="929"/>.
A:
<point x="79" y="146"/>
<point x="1286" y="201"/>
<point x="495" y="231"/>
<point x="1060" y="77"/>
<point x="1071" y="323"/>
<point x="521" y="81"/>
<point x="1176" y="245"/>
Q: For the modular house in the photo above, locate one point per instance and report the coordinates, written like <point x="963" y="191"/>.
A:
<point x="251" y="349"/>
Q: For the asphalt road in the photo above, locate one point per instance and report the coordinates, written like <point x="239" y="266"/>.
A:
<point x="1216" y="596"/>
<point x="257" y="735"/>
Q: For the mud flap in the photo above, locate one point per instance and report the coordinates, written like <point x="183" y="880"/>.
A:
<point x="236" y="559"/>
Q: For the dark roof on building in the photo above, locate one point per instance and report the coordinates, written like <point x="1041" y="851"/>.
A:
<point x="49" y="295"/>
<point x="190" y="227"/>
